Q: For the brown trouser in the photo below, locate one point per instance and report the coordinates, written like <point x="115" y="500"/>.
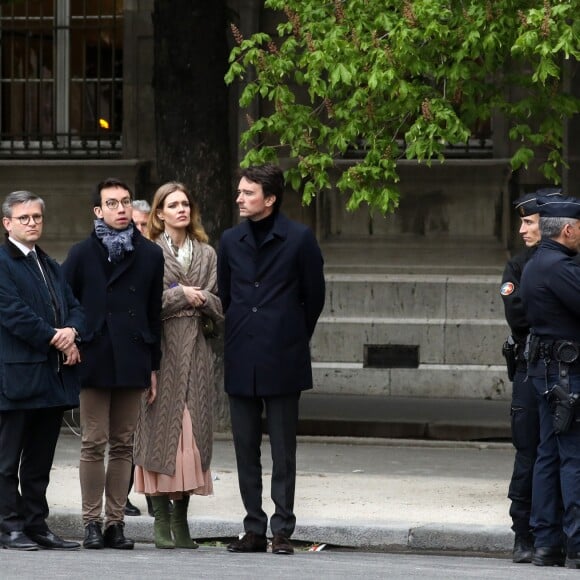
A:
<point x="107" y="416"/>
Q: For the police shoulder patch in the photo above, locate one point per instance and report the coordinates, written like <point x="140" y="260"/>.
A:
<point x="507" y="288"/>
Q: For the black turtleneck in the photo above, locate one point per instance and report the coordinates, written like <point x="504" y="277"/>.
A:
<point x="261" y="228"/>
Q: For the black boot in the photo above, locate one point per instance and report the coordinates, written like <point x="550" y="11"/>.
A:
<point x="93" y="537"/>
<point x="115" y="538"/>
<point x="523" y="549"/>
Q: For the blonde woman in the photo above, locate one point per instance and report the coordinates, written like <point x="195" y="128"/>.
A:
<point x="173" y="442"/>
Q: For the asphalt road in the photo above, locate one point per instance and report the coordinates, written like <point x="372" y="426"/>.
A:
<point x="213" y="562"/>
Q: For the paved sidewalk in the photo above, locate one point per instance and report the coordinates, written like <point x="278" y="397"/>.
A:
<point x="380" y="494"/>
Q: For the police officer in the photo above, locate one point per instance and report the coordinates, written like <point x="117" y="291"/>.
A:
<point x="525" y="422"/>
<point x="550" y="291"/>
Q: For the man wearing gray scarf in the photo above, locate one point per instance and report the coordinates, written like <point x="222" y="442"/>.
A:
<point x="117" y="276"/>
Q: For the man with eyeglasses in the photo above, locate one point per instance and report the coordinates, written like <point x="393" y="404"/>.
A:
<point x="39" y="321"/>
<point x="117" y="275"/>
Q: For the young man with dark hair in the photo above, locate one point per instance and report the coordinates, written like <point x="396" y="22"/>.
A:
<point x="271" y="283"/>
<point x="117" y="275"/>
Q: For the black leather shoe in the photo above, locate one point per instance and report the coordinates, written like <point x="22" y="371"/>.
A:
<point x="131" y="510"/>
<point x="523" y="549"/>
<point x="50" y="541"/>
<point x="281" y="545"/>
<point x="93" y="537"/>
<point x="548" y="556"/>
<point x="115" y="538"/>
<point x="17" y="541"/>
<point x="249" y="542"/>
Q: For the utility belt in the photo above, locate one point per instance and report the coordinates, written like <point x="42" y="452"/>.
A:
<point x="562" y="351"/>
<point x="564" y="404"/>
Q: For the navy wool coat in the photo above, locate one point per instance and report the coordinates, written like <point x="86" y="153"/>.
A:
<point x="272" y="297"/>
<point x="31" y="373"/>
<point x="122" y="341"/>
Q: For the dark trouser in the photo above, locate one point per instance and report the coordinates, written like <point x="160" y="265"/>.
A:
<point x="557" y="470"/>
<point x="27" y="443"/>
<point x="282" y="420"/>
<point x="525" y="423"/>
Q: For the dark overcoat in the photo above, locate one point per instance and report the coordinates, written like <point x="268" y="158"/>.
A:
<point x="272" y="297"/>
<point x="31" y="372"/>
<point x="122" y="302"/>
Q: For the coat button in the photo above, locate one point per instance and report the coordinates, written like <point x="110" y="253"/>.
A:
<point x="254" y="309"/>
<point x="257" y="284"/>
<point x="131" y="288"/>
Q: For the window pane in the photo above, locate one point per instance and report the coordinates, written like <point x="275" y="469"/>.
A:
<point x="27" y="70"/>
<point x="61" y="77"/>
<point x="96" y="61"/>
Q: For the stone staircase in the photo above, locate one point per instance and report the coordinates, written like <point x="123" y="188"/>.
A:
<point x="406" y="319"/>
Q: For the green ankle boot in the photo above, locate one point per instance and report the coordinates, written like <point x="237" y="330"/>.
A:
<point x="162" y="527"/>
<point x="179" y="525"/>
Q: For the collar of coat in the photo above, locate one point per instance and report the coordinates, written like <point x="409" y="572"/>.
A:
<point x="15" y="252"/>
<point x="279" y="230"/>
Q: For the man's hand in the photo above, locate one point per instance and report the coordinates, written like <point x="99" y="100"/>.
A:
<point x="72" y="355"/>
<point x="63" y="339"/>
<point x="151" y="393"/>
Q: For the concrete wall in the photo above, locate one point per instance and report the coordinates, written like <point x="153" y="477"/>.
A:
<point x="66" y="187"/>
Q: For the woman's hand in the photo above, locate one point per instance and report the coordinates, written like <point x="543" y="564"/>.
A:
<point x="194" y="295"/>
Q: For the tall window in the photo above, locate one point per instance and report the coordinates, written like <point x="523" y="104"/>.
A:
<point x="61" y="78"/>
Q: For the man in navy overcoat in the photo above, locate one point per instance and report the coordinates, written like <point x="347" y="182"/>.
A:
<point x="271" y="283"/>
<point x="39" y="322"/>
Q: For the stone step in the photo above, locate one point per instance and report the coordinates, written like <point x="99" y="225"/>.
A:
<point x="404" y="417"/>
<point x="415" y="255"/>
<point x="431" y="296"/>
<point x="462" y="381"/>
<point x="440" y="340"/>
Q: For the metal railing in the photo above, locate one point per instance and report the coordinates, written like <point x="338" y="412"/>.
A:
<point x="61" y="81"/>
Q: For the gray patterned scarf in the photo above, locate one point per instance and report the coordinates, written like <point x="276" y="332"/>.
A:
<point x="118" y="242"/>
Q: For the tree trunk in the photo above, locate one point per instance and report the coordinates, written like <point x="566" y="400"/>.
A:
<point x="191" y="118"/>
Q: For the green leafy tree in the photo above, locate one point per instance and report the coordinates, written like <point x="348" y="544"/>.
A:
<point x="403" y="79"/>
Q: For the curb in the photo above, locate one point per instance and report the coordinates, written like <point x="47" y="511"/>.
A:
<point x="395" y="537"/>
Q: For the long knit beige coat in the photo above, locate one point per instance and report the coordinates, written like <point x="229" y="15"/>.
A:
<point x="186" y="373"/>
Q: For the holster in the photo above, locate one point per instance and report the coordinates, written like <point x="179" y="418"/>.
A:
<point x="509" y="352"/>
<point x="562" y="402"/>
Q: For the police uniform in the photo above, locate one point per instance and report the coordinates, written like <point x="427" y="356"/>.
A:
<point x="550" y="291"/>
<point x="525" y="424"/>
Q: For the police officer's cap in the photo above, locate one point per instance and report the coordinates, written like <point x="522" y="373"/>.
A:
<point x="526" y="204"/>
<point x="563" y="206"/>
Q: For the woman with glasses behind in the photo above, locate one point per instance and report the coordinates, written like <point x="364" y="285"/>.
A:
<point x="173" y="442"/>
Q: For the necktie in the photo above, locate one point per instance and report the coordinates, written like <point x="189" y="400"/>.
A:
<point x="35" y="256"/>
<point x="48" y="283"/>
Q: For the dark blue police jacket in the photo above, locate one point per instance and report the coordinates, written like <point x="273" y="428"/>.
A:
<point x="272" y="297"/>
<point x="550" y="290"/>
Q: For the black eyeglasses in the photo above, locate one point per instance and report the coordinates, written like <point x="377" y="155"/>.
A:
<point x="114" y="203"/>
<point x="25" y="219"/>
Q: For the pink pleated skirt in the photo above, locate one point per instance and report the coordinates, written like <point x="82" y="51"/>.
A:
<point x="189" y="478"/>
